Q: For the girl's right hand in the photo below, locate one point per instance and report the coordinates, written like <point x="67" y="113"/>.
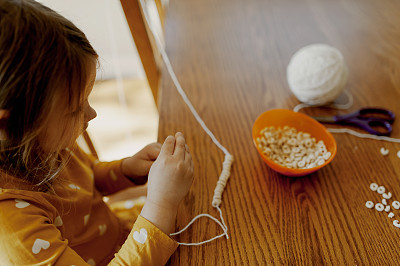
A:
<point x="170" y="178"/>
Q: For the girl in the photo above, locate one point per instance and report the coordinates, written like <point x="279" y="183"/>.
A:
<point x="51" y="192"/>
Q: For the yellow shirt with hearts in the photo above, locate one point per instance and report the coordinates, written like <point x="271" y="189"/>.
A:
<point x="72" y="225"/>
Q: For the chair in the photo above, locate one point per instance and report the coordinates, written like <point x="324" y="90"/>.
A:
<point x="89" y="144"/>
<point x="144" y="39"/>
<point x="145" y="45"/>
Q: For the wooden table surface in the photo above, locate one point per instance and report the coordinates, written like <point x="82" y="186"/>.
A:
<point x="230" y="57"/>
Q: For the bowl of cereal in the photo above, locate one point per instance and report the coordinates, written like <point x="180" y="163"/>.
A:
<point x="292" y="143"/>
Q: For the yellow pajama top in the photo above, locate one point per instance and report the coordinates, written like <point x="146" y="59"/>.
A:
<point x="72" y="225"/>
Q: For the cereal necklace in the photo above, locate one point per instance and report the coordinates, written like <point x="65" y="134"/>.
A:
<point x="226" y="166"/>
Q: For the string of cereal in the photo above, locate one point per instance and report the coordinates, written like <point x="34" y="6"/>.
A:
<point x="226" y="166"/>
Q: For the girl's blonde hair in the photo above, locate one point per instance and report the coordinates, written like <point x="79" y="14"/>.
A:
<point x="42" y="55"/>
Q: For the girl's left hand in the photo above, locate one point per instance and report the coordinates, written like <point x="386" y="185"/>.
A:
<point x="137" y="167"/>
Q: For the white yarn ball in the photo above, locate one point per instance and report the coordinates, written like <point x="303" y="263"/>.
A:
<point x="317" y="74"/>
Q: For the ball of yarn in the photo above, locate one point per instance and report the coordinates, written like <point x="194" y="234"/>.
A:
<point x="317" y="74"/>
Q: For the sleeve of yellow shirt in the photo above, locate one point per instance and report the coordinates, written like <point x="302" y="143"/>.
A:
<point x="145" y="245"/>
<point x="108" y="177"/>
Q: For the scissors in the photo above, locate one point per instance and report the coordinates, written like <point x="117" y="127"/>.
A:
<point x="376" y="121"/>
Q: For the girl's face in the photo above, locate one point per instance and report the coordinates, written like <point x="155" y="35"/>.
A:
<point x="66" y="123"/>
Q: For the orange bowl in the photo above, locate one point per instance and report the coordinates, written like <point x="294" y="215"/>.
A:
<point x="301" y="122"/>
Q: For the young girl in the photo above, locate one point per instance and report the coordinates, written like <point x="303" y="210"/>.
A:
<point x="51" y="192"/>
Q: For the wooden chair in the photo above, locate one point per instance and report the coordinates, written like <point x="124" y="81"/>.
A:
<point x="89" y="144"/>
<point x="146" y="47"/>
<point x="144" y="39"/>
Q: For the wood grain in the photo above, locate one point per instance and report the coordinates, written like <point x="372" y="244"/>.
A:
<point x="230" y="57"/>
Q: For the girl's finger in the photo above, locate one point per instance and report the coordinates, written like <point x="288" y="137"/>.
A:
<point x="180" y="145"/>
<point x="168" y="147"/>
<point x="154" y="151"/>
<point x="188" y="158"/>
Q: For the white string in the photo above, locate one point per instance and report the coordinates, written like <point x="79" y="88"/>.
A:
<point x="362" y="135"/>
<point x="226" y="166"/>
<point x="333" y="105"/>
<point x="222" y="225"/>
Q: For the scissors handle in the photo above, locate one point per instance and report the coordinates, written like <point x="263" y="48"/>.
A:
<point x="368" y="113"/>
<point x="374" y="126"/>
<point x="376" y="121"/>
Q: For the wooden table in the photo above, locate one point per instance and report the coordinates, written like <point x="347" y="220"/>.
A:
<point x="231" y="57"/>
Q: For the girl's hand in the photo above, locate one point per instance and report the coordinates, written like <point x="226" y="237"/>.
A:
<point x="137" y="167"/>
<point x="170" y="179"/>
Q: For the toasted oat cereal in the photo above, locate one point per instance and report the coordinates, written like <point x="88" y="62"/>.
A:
<point x="291" y="148"/>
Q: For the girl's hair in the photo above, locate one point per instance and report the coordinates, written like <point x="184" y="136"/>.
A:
<point x="42" y="55"/>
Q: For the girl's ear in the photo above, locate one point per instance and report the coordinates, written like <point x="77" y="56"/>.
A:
<point x="4" y="115"/>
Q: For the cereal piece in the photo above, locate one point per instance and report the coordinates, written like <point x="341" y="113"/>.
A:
<point x="326" y="155"/>
<point x="387" y="208"/>
<point x="267" y="134"/>
<point x="384" y="202"/>
<point x="387" y="195"/>
<point x="286" y="149"/>
<point x="379" y="207"/>
<point x="384" y="151"/>
<point x="381" y="190"/>
<point x="396" y="223"/>
<point x="311" y="165"/>
<point x="396" y="204"/>
<point x="295" y="150"/>
<point x="308" y="143"/>
<point x="373" y="186"/>
<point x="320" y="161"/>
<point x="292" y="142"/>
<point x="301" y="164"/>
<point x="391" y="215"/>
<point x="369" y="204"/>
<point x="298" y="155"/>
